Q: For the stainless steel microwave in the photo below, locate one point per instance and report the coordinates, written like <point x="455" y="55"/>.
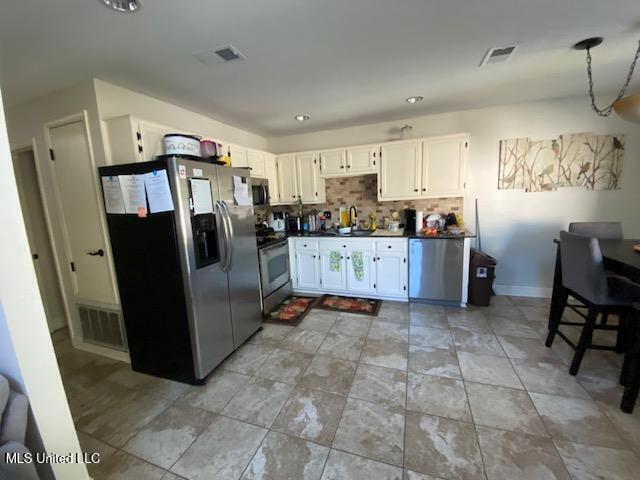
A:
<point x="260" y="191"/>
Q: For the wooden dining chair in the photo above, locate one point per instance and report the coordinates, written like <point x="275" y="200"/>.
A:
<point x="630" y="376"/>
<point x="584" y="278"/>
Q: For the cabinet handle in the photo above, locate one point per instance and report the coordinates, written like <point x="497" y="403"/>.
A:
<point x="378" y="258"/>
<point x="424" y="189"/>
<point x="293" y="196"/>
<point x="314" y="256"/>
<point x="305" y="245"/>
<point x="388" y="246"/>
<point x="341" y="166"/>
<point x="348" y="258"/>
<point x="341" y="258"/>
<point x="415" y="189"/>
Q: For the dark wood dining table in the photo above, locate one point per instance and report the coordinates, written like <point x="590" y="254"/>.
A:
<point x="619" y="257"/>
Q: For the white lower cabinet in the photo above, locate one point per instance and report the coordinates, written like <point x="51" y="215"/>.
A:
<point x="361" y="278"/>
<point x="333" y="270"/>
<point x="391" y="273"/>
<point x="306" y="264"/>
<point x="382" y="273"/>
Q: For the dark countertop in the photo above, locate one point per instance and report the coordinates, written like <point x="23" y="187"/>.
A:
<point x="406" y="234"/>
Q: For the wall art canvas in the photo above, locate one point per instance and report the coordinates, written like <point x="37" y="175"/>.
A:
<point x="583" y="160"/>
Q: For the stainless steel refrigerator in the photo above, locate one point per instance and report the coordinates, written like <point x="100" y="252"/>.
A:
<point x="186" y="264"/>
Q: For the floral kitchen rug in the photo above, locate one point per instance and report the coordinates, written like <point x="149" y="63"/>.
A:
<point x="291" y="311"/>
<point x="365" y="306"/>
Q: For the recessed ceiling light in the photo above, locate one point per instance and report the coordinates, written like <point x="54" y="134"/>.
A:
<point x="302" y="118"/>
<point x="127" y="6"/>
<point x="415" y="99"/>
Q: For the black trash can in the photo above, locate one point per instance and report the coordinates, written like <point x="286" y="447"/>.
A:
<point x="481" y="274"/>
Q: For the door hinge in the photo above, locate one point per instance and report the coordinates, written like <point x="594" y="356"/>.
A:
<point x="52" y="155"/>
<point x="139" y="148"/>
<point x="466" y="144"/>
<point x="138" y="135"/>
<point x="73" y="267"/>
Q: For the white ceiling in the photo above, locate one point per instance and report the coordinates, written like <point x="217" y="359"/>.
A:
<point x="344" y="62"/>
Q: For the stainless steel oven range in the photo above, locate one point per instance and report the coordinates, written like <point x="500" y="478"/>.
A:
<point x="275" y="277"/>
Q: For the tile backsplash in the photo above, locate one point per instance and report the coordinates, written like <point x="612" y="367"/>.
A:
<point x="361" y="191"/>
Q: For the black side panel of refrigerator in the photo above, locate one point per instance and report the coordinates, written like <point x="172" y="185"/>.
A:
<point x="147" y="264"/>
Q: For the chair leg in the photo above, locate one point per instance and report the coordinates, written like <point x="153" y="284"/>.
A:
<point x="556" y="315"/>
<point x="605" y="318"/>
<point x="586" y="338"/>
<point x="631" y="378"/>
<point x="624" y="336"/>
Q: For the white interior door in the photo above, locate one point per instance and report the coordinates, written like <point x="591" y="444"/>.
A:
<point x="39" y="241"/>
<point x="77" y="191"/>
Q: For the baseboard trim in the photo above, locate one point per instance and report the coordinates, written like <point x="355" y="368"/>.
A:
<point x="522" y="291"/>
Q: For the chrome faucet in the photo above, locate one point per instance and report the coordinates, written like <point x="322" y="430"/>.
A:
<point x="353" y="219"/>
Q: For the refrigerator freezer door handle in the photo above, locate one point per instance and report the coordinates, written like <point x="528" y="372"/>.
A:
<point x="229" y="235"/>
<point x="223" y="231"/>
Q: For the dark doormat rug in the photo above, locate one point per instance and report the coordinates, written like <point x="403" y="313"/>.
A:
<point x="291" y="311"/>
<point x="365" y="306"/>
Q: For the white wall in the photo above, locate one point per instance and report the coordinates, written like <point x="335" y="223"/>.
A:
<point x="114" y="101"/>
<point x="517" y="227"/>
<point x="27" y="354"/>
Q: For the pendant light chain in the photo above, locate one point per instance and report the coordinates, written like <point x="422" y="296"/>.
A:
<point x="605" y="112"/>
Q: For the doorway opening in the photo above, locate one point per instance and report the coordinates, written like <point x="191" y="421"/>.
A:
<point x="31" y="201"/>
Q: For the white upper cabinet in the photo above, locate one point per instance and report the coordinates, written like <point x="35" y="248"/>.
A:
<point x="132" y="140"/>
<point x="306" y="177"/>
<point x="362" y="160"/>
<point x="311" y="188"/>
<point x="271" y="174"/>
<point x="399" y="176"/>
<point x="238" y="156"/>
<point x="333" y="163"/>
<point x="256" y="163"/>
<point x="444" y="166"/>
<point x="287" y="181"/>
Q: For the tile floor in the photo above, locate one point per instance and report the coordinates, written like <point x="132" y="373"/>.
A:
<point x="418" y="392"/>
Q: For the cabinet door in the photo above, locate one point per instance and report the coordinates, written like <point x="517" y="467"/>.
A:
<point x="287" y="181"/>
<point x="443" y="166"/>
<point x="151" y="140"/>
<point x="361" y="160"/>
<point x="256" y="163"/>
<point x="360" y="278"/>
<point x="307" y="269"/>
<point x="271" y="174"/>
<point x="310" y="186"/>
<point x="332" y="274"/>
<point x="391" y="273"/>
<point x="332" y="163"/>
<point x="238" y="156"/>
<point x="400" y="171"/>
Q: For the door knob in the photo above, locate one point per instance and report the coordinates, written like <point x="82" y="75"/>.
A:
<point x="97" y="253"/>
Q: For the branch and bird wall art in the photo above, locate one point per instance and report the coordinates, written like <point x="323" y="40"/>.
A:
<point x="581" y="160"/>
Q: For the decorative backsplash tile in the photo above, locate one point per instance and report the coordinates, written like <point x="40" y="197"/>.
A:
<point x="361" y="191"/>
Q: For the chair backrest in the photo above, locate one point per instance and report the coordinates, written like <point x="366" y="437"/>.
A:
<point x="600" y="230"/>
<point x="582" y="267"/>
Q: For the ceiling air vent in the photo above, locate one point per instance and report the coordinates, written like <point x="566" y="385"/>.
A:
<point x="227" y="53"/>
<point x="498" y="55"/>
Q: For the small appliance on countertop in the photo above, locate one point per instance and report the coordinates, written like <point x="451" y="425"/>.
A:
<point x="277" y="221"/>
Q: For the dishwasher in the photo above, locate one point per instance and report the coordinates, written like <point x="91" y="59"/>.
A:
<point x="436" y="269"/>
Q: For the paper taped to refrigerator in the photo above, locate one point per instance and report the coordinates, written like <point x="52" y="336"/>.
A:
<point x="113" y="201"/>
<point x="133" y="193"/>
<point x="158" y="191"/>
<point x="241" y="191"/>
<point x="201" y="196"/>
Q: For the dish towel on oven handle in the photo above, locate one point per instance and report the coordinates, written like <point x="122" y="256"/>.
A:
<point x="358" y="265"/>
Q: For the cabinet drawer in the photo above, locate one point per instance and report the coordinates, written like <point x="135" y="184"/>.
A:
<point x="391" y="246"/>
<point x="305" y="244"/>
